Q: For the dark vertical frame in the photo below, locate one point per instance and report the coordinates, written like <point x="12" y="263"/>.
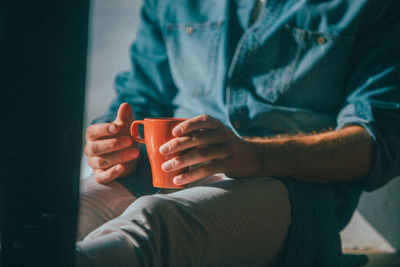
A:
<point x="42" y="79"/>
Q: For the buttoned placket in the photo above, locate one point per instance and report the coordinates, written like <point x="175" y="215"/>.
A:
<point x="236" y="109"/>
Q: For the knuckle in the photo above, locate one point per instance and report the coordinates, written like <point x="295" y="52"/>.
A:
<point x="173" y="143"/>
<point x="201" y="153"/>
<point x="194" y="137"/>
<point x="178" y="160"/>
<point x="91" y="148"/>
<point x="205" y="117"/>
<point x="99" y="162"/>
<point x="114" y="144"/>
<point x="91" y="164"/>
<point x="89" y="131"/>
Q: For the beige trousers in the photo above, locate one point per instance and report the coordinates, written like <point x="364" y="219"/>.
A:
<point x="219" y="222"/>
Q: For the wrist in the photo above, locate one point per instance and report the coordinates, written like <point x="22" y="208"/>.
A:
<point x="255" y="158"/>
<point x="271" y="157"/>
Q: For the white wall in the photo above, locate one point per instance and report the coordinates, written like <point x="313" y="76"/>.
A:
<point x="112" y="29"/>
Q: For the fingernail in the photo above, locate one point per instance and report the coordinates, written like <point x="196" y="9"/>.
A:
<point x="166" y="166"/>
<point x="177" y="131"/>
<point x="133" y="154"/>
<point x="164" y="149"/>
<point x="118" y="168"/>
<point x="112" y="129"/>
<point x="178" y="180"/>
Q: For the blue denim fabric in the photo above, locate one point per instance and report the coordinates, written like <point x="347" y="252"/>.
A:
<point x="302" y="66"/>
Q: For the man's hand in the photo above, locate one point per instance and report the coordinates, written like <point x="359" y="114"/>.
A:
<point x="111" y="151"/>
<point x="207" y="143"/>
<point x="333" y="156"/>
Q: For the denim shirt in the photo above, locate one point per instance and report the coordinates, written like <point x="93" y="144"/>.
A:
<point x="302" y="66"/>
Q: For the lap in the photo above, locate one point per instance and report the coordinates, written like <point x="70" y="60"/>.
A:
<point x="226" y="222"/>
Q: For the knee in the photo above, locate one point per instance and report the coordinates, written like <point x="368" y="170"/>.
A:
<point x="153" y="208"/>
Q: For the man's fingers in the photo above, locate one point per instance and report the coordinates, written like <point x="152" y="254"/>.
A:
<point x="97" y="131"/>
<point x="108" y="160"/>
<point x="196" y="156"/>
<point x="195" y="139"/>
<point x="215" y="166"/>
<point x="197" y="123"/>
<point x="105" y="146"/>
<point x="101" y="130"/>
<point x="125" y="114"/>
<point x="106" y="176"/>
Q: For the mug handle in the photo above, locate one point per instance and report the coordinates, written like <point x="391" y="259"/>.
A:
<point x="135" y="131"/>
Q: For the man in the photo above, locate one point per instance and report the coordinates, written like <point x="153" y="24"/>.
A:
<point x="294" y="109"/>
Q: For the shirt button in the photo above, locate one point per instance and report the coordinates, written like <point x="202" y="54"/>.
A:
<point x="236" y="124"/>
<point x="189" y="30"/>
<point x="321" y="40"/>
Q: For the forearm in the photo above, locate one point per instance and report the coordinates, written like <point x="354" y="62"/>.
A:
<point x="343" y="155"/>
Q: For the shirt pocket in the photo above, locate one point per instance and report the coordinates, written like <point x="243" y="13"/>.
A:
<point x="192" y="52"/>
<point x="304" y="65"/>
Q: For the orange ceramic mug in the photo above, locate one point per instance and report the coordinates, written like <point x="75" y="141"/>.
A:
<point x="157" y="131"/>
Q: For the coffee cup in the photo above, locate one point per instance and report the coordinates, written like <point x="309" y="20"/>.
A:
<point x="157" y="131"/>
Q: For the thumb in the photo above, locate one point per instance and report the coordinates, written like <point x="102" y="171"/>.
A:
<point x="125" y="114"/>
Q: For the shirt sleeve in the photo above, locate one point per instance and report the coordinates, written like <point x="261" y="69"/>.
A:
<point x="372" y="97"/>
<point x="148" y="85"/>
